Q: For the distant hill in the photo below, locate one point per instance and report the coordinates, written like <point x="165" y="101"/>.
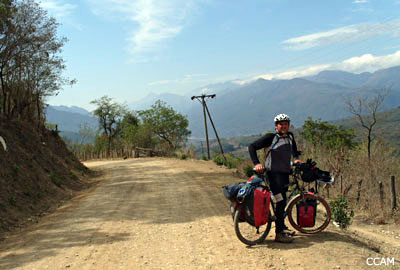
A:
<point x="72" y="109"/>
<point x="342" y="78"/>
<point x="386" y="129"/>
<point x="387" y="126"/>
<point x="384" y="78"/>
<point x="246" y="109"/>
<point x="70" y="120"/>
<point x="249" y="108"/>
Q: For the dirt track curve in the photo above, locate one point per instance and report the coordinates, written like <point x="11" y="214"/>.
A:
<point x="165" y="214"/>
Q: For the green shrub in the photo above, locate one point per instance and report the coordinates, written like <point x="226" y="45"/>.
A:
<point x="229" y="161"/>
<point x="219" y="160"/>
<point x="28" y="193"/>
<point x="12" y="200"/>
<point x="183" y="156"/>
<point x="56" y="181"/>
<point x="342" y="214"/>
<point x="248" y="170"/>
<point x="16" y="170"/>
<point x="203" y="157"/>
<point x="74" y="176"/>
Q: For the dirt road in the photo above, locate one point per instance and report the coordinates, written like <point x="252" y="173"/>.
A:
<point x="166" y="214"/>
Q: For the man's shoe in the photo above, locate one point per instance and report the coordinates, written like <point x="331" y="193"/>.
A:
<point x="289" y="232"/>
<point x="283" y="238"/>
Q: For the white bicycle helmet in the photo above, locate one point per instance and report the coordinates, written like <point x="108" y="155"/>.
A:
<point x="281" y="117"/>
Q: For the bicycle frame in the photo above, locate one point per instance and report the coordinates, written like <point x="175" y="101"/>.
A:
<point x="297" y="191"/>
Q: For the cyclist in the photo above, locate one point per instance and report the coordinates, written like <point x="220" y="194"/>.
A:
<point x="279" y="147"/>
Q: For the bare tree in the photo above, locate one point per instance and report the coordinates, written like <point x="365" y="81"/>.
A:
<point x="365" y="109"/>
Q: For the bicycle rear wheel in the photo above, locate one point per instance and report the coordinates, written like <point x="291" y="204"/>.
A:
<point x="322" y="218"/>
<point x="245" y="229"/>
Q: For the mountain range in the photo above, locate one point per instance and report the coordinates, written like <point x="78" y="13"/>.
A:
<point x="249" y="108"/>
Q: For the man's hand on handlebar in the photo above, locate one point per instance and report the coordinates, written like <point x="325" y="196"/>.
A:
<point x="259" y="168"/>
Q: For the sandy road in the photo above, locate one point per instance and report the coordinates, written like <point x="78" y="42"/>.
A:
<point x="165" y="214"/>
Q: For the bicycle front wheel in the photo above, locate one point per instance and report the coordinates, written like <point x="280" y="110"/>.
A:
<point x="245" y="229"/>
<point x="322" y="213"/>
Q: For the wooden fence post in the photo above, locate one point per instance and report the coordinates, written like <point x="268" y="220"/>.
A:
<point x="341" y="185"/>
<point x="393" y="189"/>
<point x="359" y="191"/>
<point x="381" y="195"/>
<point x="346" y="190"/>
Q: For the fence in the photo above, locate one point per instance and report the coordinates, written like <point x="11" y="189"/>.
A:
<point x="392" y="188"/>
<point x="146" y="152"/>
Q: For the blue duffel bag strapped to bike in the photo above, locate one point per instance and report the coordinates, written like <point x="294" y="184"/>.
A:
<point x="231" y="191"/>
<point x="253" y="196"/>
<point x="239" y="191"/>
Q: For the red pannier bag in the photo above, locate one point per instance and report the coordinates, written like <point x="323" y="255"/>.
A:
<point x="306" y="213"/>
<point x="262" y="199"/>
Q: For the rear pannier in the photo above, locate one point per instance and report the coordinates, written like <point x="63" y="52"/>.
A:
<point x="253" y="197"/>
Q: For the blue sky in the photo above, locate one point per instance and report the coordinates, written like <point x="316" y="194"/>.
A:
<point x="128" y="49"/>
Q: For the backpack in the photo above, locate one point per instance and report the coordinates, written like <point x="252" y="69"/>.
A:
<point x="275" y="141"/>
<point x="273" y="158"/>
<point x="306" y="213"/>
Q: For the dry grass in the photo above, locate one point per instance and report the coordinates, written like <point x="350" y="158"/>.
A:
<point x="352" y="167"/>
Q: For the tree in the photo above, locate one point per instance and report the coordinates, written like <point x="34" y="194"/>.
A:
<point x="86" y="133"/>
<point x="6" y="7"/>
<point x="30" y="65"/>
<point x="321" y="133"/>
<point x="138" y="136"/>
<point x="167" y="124"/>
<point x="365" y="109"/>
<point x="334" y="141"/>
<point x="110" y="115"/>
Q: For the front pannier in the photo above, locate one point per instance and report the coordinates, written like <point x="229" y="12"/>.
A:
<point x="306" y="213"/>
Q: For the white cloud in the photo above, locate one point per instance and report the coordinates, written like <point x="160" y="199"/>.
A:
<point x="350" y="33"/>
<point x="58" y="7"/>
<point x="152" y="22"/>
<point x="358" y="64"/>
<point x="369" y="63"/>
<point x="188" y="78"/>
<point x="360" y="1"/>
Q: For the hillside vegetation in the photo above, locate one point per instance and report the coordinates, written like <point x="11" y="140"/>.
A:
<point x="37" y="173"/>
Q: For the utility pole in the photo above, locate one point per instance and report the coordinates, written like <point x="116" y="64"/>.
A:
<point x="202" y="100"/>
<point x="215" y="130"/>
